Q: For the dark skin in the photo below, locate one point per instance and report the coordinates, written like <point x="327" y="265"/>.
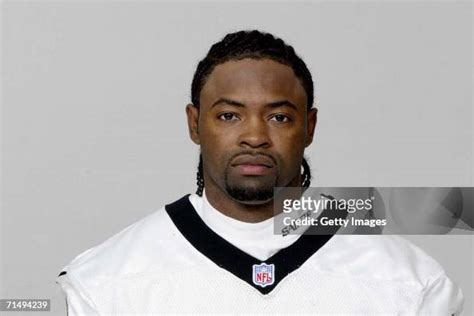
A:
<point x="253" y="126"/>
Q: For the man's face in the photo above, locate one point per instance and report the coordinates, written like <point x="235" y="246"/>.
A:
<point x="252" y="125"/>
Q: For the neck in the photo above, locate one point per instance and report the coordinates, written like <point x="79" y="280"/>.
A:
<point x="251" y="213"/>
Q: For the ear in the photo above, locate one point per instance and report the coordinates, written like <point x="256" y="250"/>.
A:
<point x="192" y="112"/>
<point x="311" y="125"/>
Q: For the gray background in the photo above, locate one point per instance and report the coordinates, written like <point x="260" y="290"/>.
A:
<point x="93" y="123"/>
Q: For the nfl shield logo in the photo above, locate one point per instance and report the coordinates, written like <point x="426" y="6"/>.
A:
<point x="263" y="274"/>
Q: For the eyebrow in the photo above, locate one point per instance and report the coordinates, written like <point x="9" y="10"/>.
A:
<point x="240" y="104"/>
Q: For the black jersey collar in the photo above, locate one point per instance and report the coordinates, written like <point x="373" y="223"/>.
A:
<point x="262" y="275"/>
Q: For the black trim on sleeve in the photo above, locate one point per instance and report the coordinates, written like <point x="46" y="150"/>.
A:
<point x="231" y="258"/>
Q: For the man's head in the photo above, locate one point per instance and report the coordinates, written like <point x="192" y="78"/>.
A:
<point x="252" y="115"/>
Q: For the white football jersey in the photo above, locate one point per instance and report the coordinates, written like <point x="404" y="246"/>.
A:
<point x="173" y="262"/>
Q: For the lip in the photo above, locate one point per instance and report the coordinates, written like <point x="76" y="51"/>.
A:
<point x="249" y="160"/>
<point x="252" y="170"/>
<point x="249" y="165"/>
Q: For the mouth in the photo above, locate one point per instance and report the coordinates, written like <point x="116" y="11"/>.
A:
<point x="248" y="165"/>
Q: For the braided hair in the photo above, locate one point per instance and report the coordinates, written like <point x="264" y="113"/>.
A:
<point x="255" y="45"/>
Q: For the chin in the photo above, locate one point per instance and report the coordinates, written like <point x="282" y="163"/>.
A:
<point x="250" y="195"/>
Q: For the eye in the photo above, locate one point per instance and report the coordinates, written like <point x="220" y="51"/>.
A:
<point x="280" y="118"/>
<point x="227" y="116"/>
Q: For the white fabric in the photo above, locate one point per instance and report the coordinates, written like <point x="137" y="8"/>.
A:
<point x="256" y="239"/>
<point x="149" y="268"/>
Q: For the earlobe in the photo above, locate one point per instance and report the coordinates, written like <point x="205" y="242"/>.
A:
<point x="312" y="119"/>
<point x="192" y="113"/>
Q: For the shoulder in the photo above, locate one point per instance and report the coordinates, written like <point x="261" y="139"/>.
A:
<point x="150" y="247"/>
<point x="142" y="247"/>
<point x="382" y="257"/>
<point x="391" y="264"/>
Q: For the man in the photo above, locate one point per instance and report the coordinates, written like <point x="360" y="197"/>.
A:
<point x="215" y="251"/>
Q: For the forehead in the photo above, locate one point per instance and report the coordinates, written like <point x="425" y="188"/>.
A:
<point x="253" y="81"/>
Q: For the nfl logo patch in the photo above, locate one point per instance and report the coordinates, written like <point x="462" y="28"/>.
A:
<point x="263" y="274"/>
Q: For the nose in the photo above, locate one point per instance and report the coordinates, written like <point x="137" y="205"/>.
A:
<point x="255" y="134"/>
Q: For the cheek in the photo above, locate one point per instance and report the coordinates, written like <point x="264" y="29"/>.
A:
<point x="215" y="145"/>
<point x="290" y="141"/>
<point x="216" y="141"/>
<point x="290" y="146"/>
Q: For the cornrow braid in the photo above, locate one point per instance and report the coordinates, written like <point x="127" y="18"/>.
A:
<point x="256" y="45"/>
<point x="306" y="176"/>
<point x="200" y="177"/>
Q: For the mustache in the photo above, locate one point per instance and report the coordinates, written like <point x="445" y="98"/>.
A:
<point x="253" y="153"/>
